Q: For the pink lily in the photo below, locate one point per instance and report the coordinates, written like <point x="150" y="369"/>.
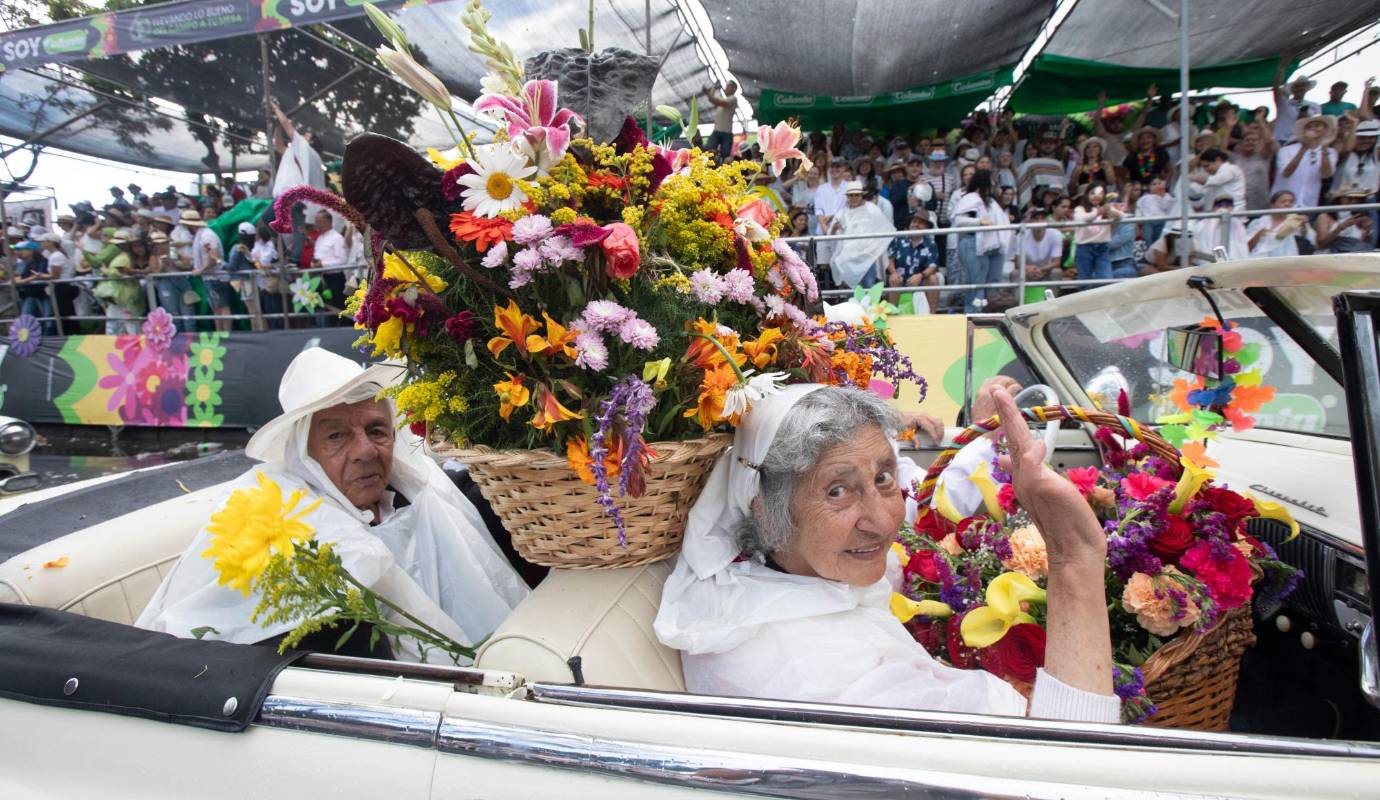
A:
<point x="779" y="144"/>
<point x="533" y="121"/>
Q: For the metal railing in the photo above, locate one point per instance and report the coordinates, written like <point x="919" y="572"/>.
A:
<point x="285" y="275"/>
<point x="1019" y="228"/>
<point x="149" y="286"/>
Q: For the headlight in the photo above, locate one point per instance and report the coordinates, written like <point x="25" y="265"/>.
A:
<point x="16" y="436"/>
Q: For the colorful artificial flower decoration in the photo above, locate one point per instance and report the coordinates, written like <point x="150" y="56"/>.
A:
<point x="1208" y="405"/>
<point x="25" y="335"/>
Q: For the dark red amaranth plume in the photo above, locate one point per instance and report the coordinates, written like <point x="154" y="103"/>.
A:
<point x="282" y="207"/>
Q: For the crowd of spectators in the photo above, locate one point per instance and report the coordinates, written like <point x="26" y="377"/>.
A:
<point x="111" y="260"/>
<point x="1109" y="171"/>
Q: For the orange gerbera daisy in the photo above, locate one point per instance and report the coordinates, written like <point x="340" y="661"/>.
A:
<point x="482" y="231"/>
<point x="577" y="455"/>
<point x="710" y="407"/>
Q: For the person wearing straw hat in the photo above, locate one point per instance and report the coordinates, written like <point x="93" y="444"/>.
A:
<point x="855" y="262"/>
<point x="1149" y="159"/>
<point x="1291" y="103"/>
<point x="399" y="525"/>
<point x="782" y="586"/>
<point x="207" y="256"/>
<point x="1346" y="231"/>
<point x="1302" y="166"/>
<point x="120" y="292"/>
<point x="1361" y="165"/>
<point x="1092" y="167"/>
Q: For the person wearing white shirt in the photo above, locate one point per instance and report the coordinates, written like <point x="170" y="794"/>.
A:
<point x="830" y="199"/>
<point x="1273" y="235"/>
<point x="980" y="253"/>
<point x="207" y="255"/>
<point x="329" y="251"/>
<point x="1301" y="167"/>
<point x="1218" y="178"/>
<point x="1361" y="166"/>
<point x="1156" y="202"/>
<point x="1288" y="104"/>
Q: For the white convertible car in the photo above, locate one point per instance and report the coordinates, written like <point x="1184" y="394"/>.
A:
<point x="575" y="697"/>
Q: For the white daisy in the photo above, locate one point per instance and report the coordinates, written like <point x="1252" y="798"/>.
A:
<point x="492" y="187"/>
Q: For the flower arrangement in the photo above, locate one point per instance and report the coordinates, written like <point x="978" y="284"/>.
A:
<point x="1178" y="559"/>
<point x="580" y="296"/>
<point x="261" y="542"/>
<point x="1207" y="405"/>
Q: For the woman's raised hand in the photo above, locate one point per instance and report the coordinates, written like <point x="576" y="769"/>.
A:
<point x="1071" y="531"/>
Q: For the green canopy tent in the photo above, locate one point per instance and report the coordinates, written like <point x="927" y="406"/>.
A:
<point x="920" y="108"/>
<point x="1061" y="85"/>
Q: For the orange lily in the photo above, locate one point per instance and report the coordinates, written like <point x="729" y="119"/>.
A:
<point x="713" y="389"/>
<point x="703" y="354"/>
<point x="558" y="339"/>
<point x="762" y="350"/>
<point x="516" y="327"/>
<point x="550" y="412"/>
<point x="511" y="394"/>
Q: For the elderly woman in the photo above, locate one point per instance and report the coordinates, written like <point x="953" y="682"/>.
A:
<point x="780" y="590"/>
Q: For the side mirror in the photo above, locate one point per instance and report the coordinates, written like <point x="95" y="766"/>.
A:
<point x="1196" y="349"/>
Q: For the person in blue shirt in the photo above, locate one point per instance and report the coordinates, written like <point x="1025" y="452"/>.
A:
<point x="914" y="260"/>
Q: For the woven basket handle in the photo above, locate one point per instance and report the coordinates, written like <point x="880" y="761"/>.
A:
<point x="1132" y="428"/>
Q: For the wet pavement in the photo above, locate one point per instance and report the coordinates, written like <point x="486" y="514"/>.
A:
<point x="68" y="454"/>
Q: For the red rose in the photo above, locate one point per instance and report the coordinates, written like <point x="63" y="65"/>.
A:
<point x="929" y="632"/>
<point x="1006" y="498"/>
<point x="1172" y="539"/>
<point x="621" y="251"/>
<point x="921" y="564"/>
<point x="1228" y="503"/>
<point x="930" y="523"/>
<point x="960" y="654"/>
<point x="418" y="428"/>
<point x="1228" y="579"/>
<point x="1016" y="655"/>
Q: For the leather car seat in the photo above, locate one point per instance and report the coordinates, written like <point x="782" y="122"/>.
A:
<point x="594" y="622"/>
<point x="112" y="568"/>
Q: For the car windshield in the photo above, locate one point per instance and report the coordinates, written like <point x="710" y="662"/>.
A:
<point x="1124" y="346"/>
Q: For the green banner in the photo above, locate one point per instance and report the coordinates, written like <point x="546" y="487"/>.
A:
<point x="1059" y="85"/>
<point x="909" y="110"/>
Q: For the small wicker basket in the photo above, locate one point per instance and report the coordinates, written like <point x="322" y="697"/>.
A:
<point x="555" y="518"/>
<point x="1192" y="680"/>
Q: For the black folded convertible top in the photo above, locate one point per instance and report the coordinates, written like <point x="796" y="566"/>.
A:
<point x="60" y="659"/>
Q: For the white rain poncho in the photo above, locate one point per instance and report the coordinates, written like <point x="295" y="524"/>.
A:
<point x="854" y="257"/>
<point x="747" y="630"/>
<point x="433" y="557"/>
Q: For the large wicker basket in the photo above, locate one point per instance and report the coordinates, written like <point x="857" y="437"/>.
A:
<point x="556" y="521"/>
<point x="1192" y="680"/>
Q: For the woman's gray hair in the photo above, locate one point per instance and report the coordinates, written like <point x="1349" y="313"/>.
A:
<point x="824" y="418"/>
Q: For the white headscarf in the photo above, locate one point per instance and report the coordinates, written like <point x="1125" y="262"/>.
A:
<point x="433" y="558"/>
<point x="747" y="630"/>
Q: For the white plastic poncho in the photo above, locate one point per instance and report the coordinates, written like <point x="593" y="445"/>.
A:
<point x="854" y="257"/>
<point x="747" y="630"/>
<point x="433" y="557"/>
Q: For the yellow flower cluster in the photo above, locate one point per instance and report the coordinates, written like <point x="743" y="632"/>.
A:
<point x="677" y="281"/>
<point x="632" y="215"/>
<point x="427" y="399"/>
<point x="563" y="216"/>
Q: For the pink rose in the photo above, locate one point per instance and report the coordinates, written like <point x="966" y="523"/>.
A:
<point x="621" y="251"/>
<point x="758" y="211"/>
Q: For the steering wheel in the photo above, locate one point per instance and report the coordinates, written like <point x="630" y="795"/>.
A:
<point x="1049" y="397"/>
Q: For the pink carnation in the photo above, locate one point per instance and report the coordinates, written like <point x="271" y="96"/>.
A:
<point x="738" y="286"/>
<point x="497" y="255"/>
<point x="604" y="316"/>
<point x="558" y="249"/>
<point x="1227" y="577"/>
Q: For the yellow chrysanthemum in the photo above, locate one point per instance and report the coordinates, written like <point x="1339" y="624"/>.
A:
<point x="254" y="524"/>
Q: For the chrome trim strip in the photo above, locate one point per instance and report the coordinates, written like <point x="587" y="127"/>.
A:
<point x="357" y="721"/>
<point x="756" y="775"/>
<point x="933" y="722"/>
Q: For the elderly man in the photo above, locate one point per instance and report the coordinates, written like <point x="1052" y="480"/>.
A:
<point x="398" y="524"/>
